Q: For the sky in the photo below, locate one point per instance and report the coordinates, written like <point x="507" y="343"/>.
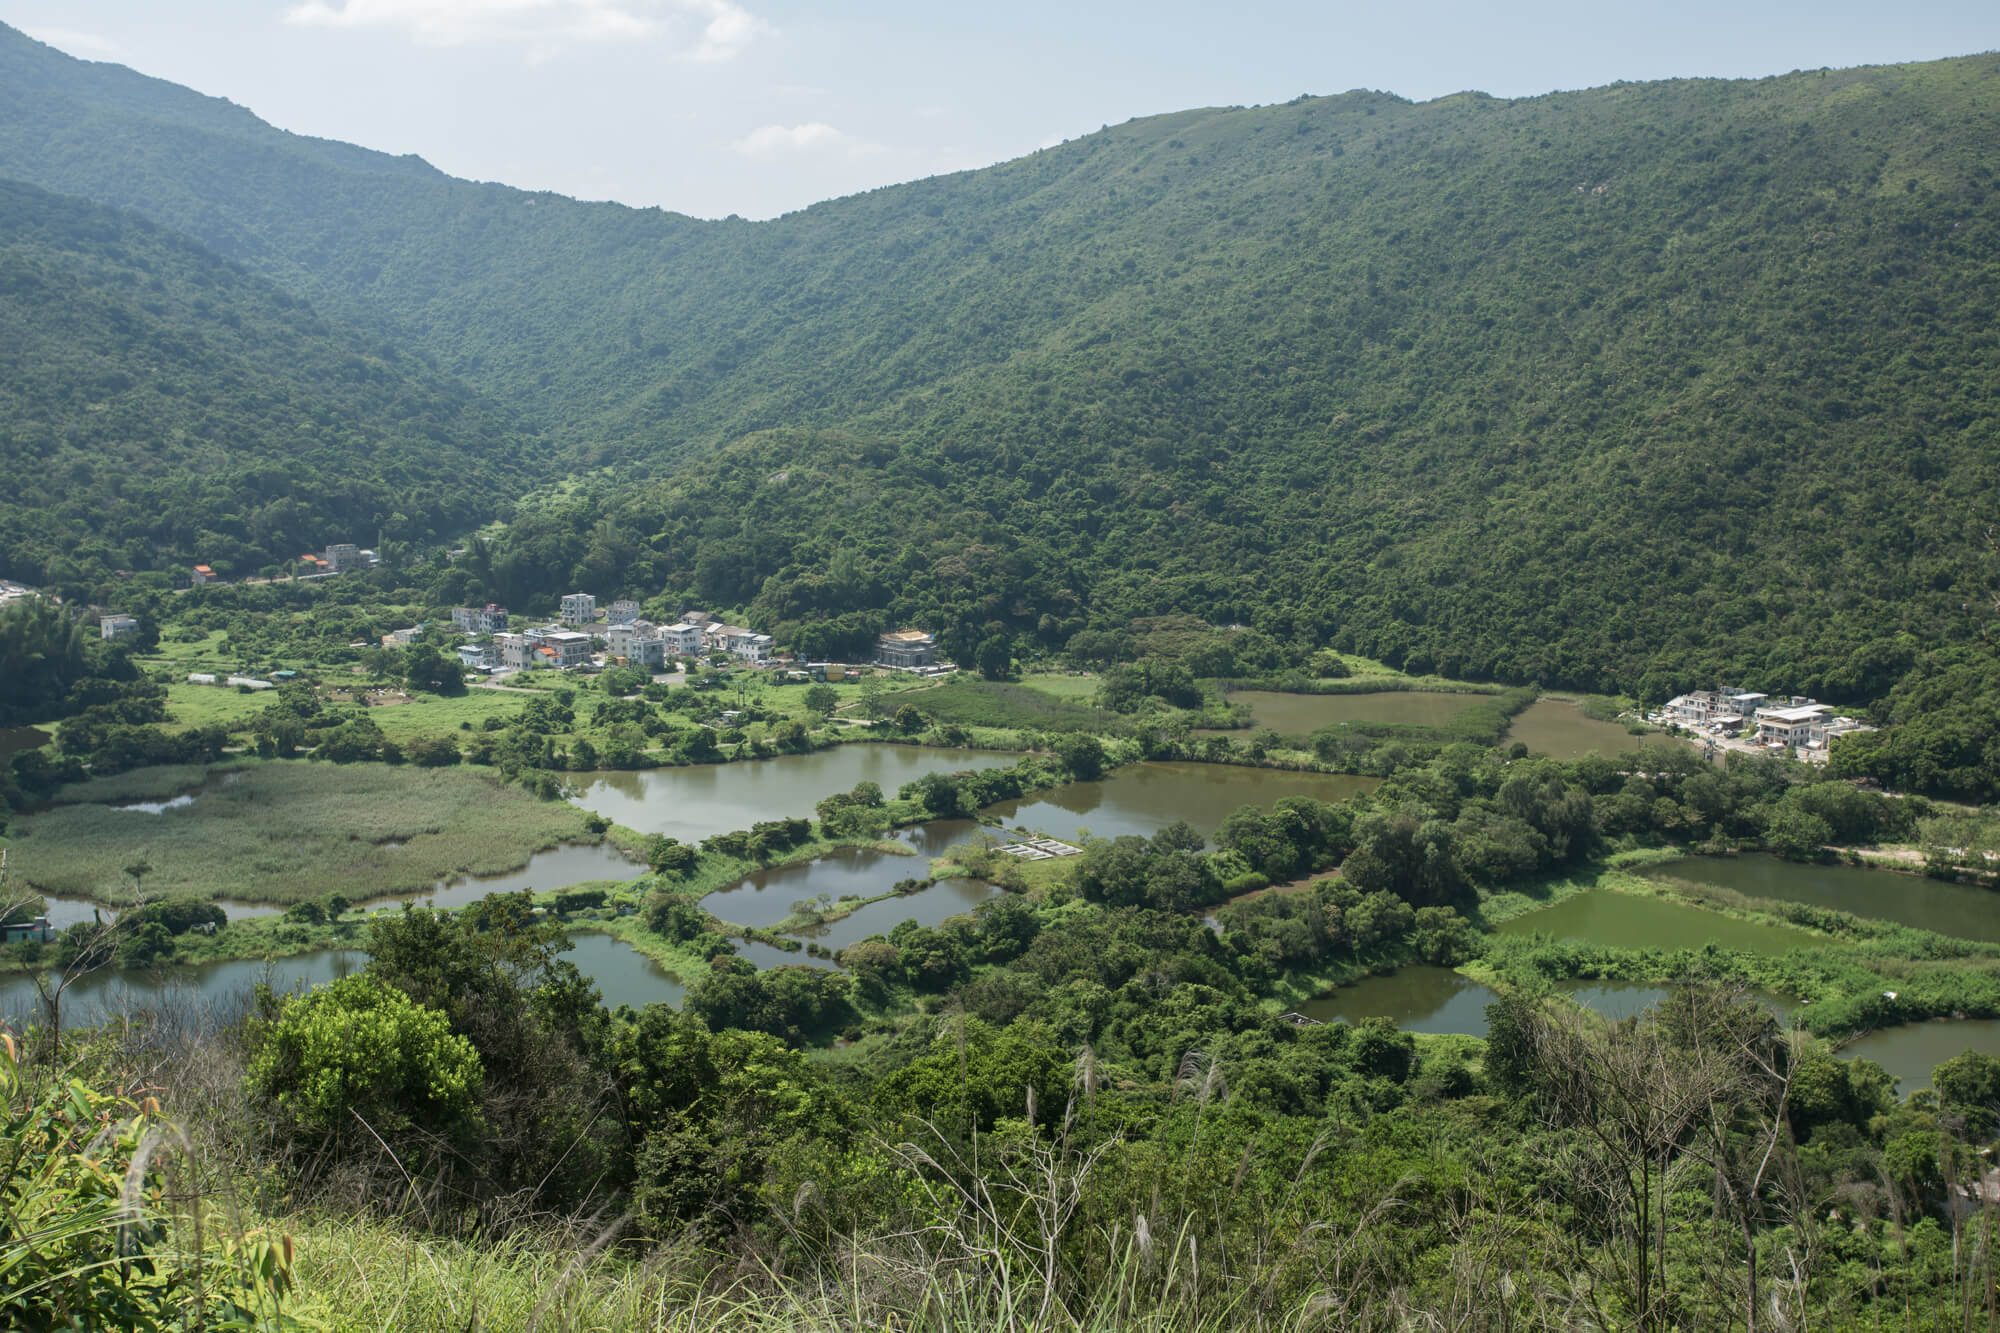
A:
<point x="760" y="107"/>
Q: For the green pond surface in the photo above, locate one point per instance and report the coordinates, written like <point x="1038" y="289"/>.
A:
<point x="1964" y="910"/>
<point x="1302" y="714"/>
<point x="1911" y="1051"/>
<point x="1625" y="921"/>
<point x="770" y="955"/>
<point x="1562" y="730"/>
<point x="1144" y="798"/>
<point x="766" y="898"/>
<point x="1417" y="999"/>
<point x="222" y="987"/>
<point x="706" y="799"/>
<point x="553" y="869"/>
<point x="621" y="973"/>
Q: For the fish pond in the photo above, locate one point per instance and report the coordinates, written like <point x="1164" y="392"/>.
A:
<point x="1144" y="798"/>
<point x="1627" y="921"/>
<point x="706" y="799"/>
<point x="1417" y="999"/>
<point x="621" y="973"/>
<point x="1561" y="729"/>
<point x="553" y="869"/>
<point x="1964" y="910"/>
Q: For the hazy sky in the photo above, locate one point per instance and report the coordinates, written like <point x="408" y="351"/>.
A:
<point x="757" y="107"/>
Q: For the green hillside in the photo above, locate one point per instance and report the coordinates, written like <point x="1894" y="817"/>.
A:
<point x="1617" y="388"/>
<point x="159" y="406"/>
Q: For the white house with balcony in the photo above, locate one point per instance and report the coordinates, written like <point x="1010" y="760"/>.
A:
<point x="578" y="608"/>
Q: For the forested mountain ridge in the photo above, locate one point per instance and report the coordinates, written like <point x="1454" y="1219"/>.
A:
<point x="1616" y="388"/>
<point x="159" y="406"/>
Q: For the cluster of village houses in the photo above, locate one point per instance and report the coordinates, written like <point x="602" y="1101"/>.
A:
<point x="632" y="640"/>
<point x="1805" y="725"/>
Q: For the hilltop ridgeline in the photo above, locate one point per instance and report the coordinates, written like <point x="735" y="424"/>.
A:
<point x="1619" y="388"/>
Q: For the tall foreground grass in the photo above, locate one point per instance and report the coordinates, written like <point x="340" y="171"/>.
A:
<point x="287" y="830"/>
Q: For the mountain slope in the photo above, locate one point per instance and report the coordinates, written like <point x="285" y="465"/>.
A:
<point x="1619" y="386"/>
<point x="159" y="406"/>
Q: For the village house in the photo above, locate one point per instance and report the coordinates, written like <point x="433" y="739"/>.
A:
<point x="906" y="650"/>
<point x="343" y="556"/>
<point x="514" y="650"/>
<point x="201" y="574"/>
<point x="548" y="647"/>
<point x="578" y="608"/>
<point x="1725" y="709"/>
<point x="683" y="639"/>
<point x="488" y="619"/>
<point x="636" y="643"/>
<point x="745" y="644"/>
<point x="402" y="638"/>
<point x="622" y="612"/>
<point x="114" y="628"/>
<point x="477" y="656"/>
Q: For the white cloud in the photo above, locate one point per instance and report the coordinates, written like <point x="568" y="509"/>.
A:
<point x="729" y="29"/>
<point x="726" y="27"/>
<point x="813" y="139"/>
<point x="87" y="45"/>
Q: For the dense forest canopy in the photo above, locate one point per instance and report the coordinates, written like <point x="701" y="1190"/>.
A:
<point x="160" y="407"/>
<point x="1625" y="388"/>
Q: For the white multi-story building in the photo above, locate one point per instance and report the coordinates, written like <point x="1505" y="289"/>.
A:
<point x="683" y="639"/>
<point x="578" y="608"/>
<point x="117" y="627"/>
<point x="622" y="612"/>
<point x="638" y="643"/>
<point x="745" y="644"/>
<point x="1797" y="723"/>
<point x="341" y="557"/>
<point x="488" y="619"/>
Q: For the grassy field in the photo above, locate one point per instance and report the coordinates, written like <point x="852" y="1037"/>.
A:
<point x="1064" y="685"/>
<point x="971" y="702"/>
<point x="285" y="831"/>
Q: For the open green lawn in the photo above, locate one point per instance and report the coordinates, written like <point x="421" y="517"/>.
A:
<point x="287" y="830"/>
<point x="1063" y="685"/>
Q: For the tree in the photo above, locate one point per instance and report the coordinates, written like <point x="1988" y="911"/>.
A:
<point x="428" y="670"/>
<point x="360" y="1052"/>
<point x="995" y="659"/>
<point x="822" y="699"/>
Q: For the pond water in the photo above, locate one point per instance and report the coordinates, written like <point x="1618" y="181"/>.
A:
<point x="623" y="974"/>
<point x="1911" y="1051"/>
<point x="15" y="739"/>
<point x="766" y="898"/>
<point x="1417" y="999"/>
<point x="1143" y="798"/>
<point x="1964" y="910"/>
<point x="770" y="955"/>
<point x="553" y="869"/>
<point x="1302" y="714"/>
<point x="1562" y="730"/>
<point x="102" y="995"/>
<point x="945" y="899"/>
<point x="1626" y="921"/>
<point x="1614" y="999"/>
<point x="704" y="800"/>
<point x="158" y="807"/>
